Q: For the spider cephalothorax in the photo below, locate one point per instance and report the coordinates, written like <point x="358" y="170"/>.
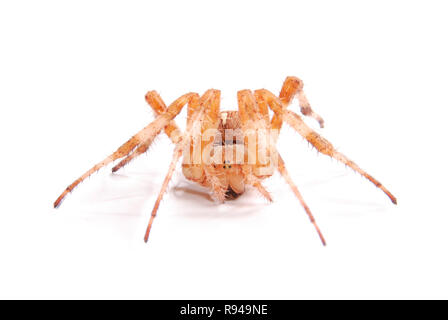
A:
<point x="226" y="151"/>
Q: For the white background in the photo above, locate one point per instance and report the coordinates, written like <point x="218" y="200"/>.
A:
<point x="72" y="82"/>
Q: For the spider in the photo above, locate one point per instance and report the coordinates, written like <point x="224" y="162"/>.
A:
<point x="245" y="156"/>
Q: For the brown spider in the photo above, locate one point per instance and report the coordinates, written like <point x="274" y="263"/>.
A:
<point x="245" y="156"/>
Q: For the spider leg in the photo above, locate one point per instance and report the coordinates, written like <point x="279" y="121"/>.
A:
<point x="320" y="143"/>
<point x="146" y="134"/>
<point x="209" y="130"/>
<point x="142" y="148"/>
<point x="263" y="109"/>
<point x="197" y="166"/>
<point x="325" y="147"/>
<point x="294" y="86"/>
<point x="159" y="107"/>
<point x="177" y="154"/>
<point x="193" y="125"/>
<point x="213" y="179"/>
<point x="121" y="152"/>
<point x="171" y="130"/>
<point x="287" y="177"/>
<point x="249" y="111"/>
<point x="263" y="98"/>
<point x="266" y="98"/>
<point x="253" y="121"/>
<point x="260" y="135"/>
<point x="255" y="182"/>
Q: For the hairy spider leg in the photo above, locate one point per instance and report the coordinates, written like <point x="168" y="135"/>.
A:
<point x="147" y="133"/>
<point x="255" y="182"/>
<point x="212" y="178"/>
<point x="266" y="98"/>
<point x="172" y="130"/>
<point x="193" y="125"/>
<point x="142" y="148"/>
<point x="294" y="86"/>
<point x="254" y="117"/>
<point x="159" y="107"/>
<point x="263" y="109"/>
<point x="215" y="179"/>
<point x="320" y="143"/>
<point x="325" y="147"/>
<point x="191" y="159"/>
<point x="251" y="121"/>
<point x="288" y="179"/>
